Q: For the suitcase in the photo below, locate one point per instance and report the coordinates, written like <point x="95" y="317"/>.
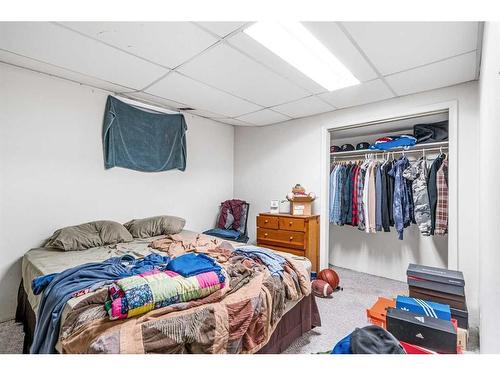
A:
<point x="431" y="333"/>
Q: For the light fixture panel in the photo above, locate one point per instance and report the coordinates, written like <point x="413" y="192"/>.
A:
<point x="295" y="44"/>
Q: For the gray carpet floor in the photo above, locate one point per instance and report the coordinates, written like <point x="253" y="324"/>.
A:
<point x="340" y="314"/>
<point x="346" y="309"/>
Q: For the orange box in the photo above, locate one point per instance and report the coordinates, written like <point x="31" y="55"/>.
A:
<point x="377" y="313"/>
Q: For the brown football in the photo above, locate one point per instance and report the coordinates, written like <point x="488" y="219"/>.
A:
<point x="330" y="276"/>
<point x="321" y="288"/>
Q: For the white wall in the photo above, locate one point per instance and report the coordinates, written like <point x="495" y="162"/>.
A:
<point x="52" y="173"/>
<point x="270" y="159"/>
<point x="489" y="91"/>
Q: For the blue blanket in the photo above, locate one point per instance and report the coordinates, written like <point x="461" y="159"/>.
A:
<point x="60" y="288"/>
<point x="141" y="140"/>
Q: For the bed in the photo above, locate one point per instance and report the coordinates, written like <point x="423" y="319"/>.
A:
<point x="298" y="315"/>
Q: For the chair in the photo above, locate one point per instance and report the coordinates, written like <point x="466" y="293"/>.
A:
<point x="240" y="235"/>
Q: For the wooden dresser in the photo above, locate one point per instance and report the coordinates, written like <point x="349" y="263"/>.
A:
<point x="293" y="234"/>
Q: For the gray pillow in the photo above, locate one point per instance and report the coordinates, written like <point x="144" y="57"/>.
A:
<point x="85" y="236"/>
<point x="155" y="226"/>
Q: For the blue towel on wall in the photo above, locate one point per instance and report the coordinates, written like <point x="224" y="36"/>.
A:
<point x="143" y="141"/>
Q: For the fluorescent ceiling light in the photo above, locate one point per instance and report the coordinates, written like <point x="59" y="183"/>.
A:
<point x="296" y="45"/>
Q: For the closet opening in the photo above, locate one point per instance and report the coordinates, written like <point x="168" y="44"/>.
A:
<point x="382" y="249"/>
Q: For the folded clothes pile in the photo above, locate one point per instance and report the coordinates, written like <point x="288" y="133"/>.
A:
<point x="388" y="143"/>
<point x="274" y="262"/>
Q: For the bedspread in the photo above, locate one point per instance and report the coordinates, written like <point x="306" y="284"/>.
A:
<point x="238" y="318"/>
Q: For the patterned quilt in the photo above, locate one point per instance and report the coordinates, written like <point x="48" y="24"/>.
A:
<point x="239" y="317"/>
<point x="136" y="295"/>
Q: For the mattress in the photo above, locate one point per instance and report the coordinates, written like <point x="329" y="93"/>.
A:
<point x="43" y="261"/>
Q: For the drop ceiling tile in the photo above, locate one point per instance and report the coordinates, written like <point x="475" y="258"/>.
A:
<point x="221" y="28"/>
<point x="304" y="107"/>
<point x="367" y="92"/>
<point x="38" y="66"/>
<point x="257" y="51"/>
<point x="229" y="70"/>
<point x="66" y="49"/>
<point x="200" y="96"/>
<point x="264" y="117"/>
<point x="232" y="121"/>
<point x="396" y="46"/>
<point x="165" y="43"/>
<point x="205" y="113"/>
<point x="444" y="73"/>
<point x="333" y="38"/>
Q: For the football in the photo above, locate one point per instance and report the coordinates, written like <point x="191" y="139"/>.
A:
<point x="321" y="288"/>
<point x="330" y="276"/>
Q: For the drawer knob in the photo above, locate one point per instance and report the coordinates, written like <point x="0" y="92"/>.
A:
<point x="290" y="223"/>
<point x="266" y="221"/>
<point x="291" y="238"/>
<point x="265" y="234"/>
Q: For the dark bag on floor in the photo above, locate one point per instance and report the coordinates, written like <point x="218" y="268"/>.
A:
<point x="435" y="132"/>
<point x="374" y="340"/>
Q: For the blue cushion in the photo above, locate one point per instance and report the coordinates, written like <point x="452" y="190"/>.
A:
<point x="224" y="233"/>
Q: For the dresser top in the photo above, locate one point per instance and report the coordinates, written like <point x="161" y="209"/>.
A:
<point x="289" y="215"/>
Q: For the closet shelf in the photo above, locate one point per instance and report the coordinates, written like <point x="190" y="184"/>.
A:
<point x="417" y="147"/>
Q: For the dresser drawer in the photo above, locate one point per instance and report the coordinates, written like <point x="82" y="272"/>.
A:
<point x="282" y="238"/>
<point x="288" y="223"/>
<point x="270" y="222"/>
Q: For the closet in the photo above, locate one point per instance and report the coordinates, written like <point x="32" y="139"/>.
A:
<point x="383" y="253"/>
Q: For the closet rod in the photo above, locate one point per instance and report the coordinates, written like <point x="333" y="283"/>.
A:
<point x="388" y="152"/>
<point x="391" y="119"/>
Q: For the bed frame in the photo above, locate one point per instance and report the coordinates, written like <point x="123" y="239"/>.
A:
<point x="300" y="319"/>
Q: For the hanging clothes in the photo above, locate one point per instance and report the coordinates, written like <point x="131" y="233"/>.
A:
<point x="432" y="189"/>
<point x="354" y="205"/>
<point x="386" y="204"/>
<point x="361" y="206"/>
<point x="442" y="199"/>
<point x="346" y="195"/>
<point x="390" y="192"/>
<point x="400" y="203"/>
<point x="336" y="203"/>
<point x="378" y="198"/>
<point x="417" y="173"/>
<point x="374" y="195"/>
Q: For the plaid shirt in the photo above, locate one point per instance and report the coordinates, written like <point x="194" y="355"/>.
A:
<point x="339" y="177"/>
<point x="442" y="199"/>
